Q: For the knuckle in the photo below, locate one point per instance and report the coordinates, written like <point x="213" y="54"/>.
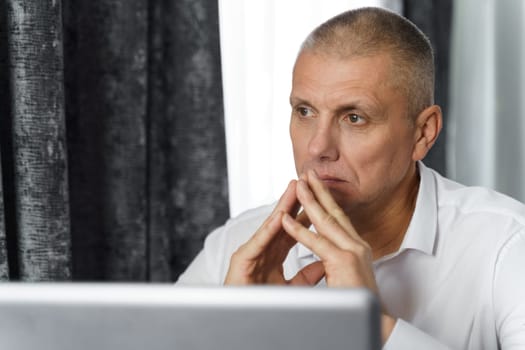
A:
<point x="318" y="238"/>
<point x="357" y="254"/>
<point x="360" y="250"/>
<point x="329" y="219"/>
<point x="363" y="251"/>
<point x="237" y="255"/>
<point x="258" y="245"/>
<point x="319" y="241"/>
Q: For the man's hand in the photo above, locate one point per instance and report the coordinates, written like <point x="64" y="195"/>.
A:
<point x="260" y="260"/>
<point x="345" y="258"/>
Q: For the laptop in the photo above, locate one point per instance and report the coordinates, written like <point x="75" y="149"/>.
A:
<point x="159" y="317"/>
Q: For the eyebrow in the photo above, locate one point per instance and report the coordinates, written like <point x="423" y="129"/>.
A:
<point x="358" y="105"/>
<point x="347" y="107"/>
<point x="298" y="101"/>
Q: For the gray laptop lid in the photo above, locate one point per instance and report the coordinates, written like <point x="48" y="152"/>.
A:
<point x="159" y="317"/>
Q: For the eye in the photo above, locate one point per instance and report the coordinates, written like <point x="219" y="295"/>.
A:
<point x="354" y="118"/>
<point x="304" y="111"/>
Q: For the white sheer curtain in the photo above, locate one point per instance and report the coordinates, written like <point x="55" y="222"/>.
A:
<point x="259" y="42"/>
<point x="487" y="108"/>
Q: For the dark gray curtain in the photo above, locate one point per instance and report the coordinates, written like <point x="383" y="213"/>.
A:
<point x="4" y="272"/>
<point x="434" y="18"/>
<point x="4" y="86"/>
<point x="112" y="138"/>
<point x="33" y="149"/>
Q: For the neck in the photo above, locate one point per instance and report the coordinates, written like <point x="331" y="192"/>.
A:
<point x="384" y="224"/>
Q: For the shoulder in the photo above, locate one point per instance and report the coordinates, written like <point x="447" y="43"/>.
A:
<point x="211" y="264"/>
<point x="243" y="226"/>
<point x="476" y="218"/>
<point x="239" y="229"/>
<point x="477" y="202"/>
<point x="254" y="216"/>
<point x="480" y="233"/>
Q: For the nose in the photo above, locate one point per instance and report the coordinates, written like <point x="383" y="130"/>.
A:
<point x="323" y="144"/>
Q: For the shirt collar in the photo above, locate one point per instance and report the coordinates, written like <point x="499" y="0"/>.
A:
<point x="421" y="232"/>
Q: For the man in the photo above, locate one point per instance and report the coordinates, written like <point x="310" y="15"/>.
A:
<point x="446" y="261"/>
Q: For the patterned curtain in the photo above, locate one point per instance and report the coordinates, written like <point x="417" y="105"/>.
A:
<point x="434" y="18"/>
<point x="111" y="138"/>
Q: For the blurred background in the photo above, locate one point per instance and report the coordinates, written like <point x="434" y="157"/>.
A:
<point x="130" y="129"/>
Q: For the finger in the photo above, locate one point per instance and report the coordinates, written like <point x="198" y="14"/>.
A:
<point x="325" y="223"/>
<point x="303" y="219"/>
<point x="288" y="202"/>
<point x="310" y="275"/>
<point x="262" y="237"/>
<point x="342" y="268"/>
<point x="318" y="244"/>
<point x="279" y="247"/>
<point x="272" y="225"/>
<point x="326" y="200"/>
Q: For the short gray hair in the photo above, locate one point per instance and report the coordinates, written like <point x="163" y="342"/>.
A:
<point x="372" y="30"/>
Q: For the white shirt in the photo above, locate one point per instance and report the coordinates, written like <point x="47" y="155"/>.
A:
<point x="457" y="281"/>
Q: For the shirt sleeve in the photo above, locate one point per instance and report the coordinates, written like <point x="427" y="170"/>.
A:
<point x="509" y="293"/>
<point x="404" y="336"/>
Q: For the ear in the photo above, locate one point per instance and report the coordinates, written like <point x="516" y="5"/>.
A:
<point x="428" y="125"/>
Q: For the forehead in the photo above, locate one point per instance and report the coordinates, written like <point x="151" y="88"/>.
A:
<point x="332" y="78"/>
<point x="334" y="70"/>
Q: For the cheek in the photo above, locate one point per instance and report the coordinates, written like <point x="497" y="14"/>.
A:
<point x="390" y="159"/>
<point x="372" y="154"/>
<point x="299" y="148"/>
<point x="363" y="150"/>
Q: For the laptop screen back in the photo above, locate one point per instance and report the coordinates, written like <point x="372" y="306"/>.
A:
<point x="161" y="317"/>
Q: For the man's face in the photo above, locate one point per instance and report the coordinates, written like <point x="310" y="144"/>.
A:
<point x="350" y="125"/>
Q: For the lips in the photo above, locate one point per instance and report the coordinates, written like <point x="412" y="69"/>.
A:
<point x="330" y="179"/>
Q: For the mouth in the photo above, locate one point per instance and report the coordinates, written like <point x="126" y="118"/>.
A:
<point x="330" y="179"/>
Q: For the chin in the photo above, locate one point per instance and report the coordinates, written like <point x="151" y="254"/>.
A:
<point x="344" y="199"/>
